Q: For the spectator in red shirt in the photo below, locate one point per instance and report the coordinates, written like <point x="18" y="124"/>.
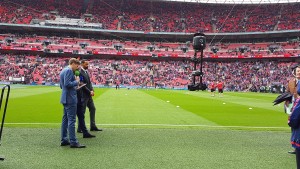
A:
<point x="212" y="89"/>
<point x="220" y="87"/>
<point x="117" y="84"/>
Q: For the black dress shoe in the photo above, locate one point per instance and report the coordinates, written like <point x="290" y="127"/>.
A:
<point x="77" y="146"/>
<point x="79" y="131"/>
<point x="88" y="136"/>
<point x="96" y="129"/>
<point x="64" y="143"/>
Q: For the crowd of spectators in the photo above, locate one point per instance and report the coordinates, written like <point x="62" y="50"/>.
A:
<point x="158" y="16"/>
<point x="142" y="48"/>
<point x="236" y="75"/>
<point x="242" y="76"/>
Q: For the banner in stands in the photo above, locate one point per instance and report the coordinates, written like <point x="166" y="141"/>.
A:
<point x="16" y="79"/>
<point x="4" y="83"/>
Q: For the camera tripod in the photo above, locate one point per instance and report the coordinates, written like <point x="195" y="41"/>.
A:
<point x="4" y="111"/>
<point x="199" y="44"/>
<point x="196" y="61"/>
<point x="194" y="85"/>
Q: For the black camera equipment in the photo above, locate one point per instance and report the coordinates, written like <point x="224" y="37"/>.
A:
<point x="118" y="46"/>
<point x="199" y="44"/>
<point x="184" y="48"/>
<point x="83" y="45"/>
<point x="46" y="43"/>
<point x="273" y="48"/>
<point x="151" y="48"/>
<point x="214" y="49"/>
<point x="9" y="41"/>
<point x="243" y="49"/>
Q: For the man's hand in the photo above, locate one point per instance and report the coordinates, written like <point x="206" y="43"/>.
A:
<point x="287" y="103"/>
<point x="92" y="93"/>
<point x="77" y="79"/>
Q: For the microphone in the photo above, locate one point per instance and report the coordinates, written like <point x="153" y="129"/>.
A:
<point x="77" y="73"/>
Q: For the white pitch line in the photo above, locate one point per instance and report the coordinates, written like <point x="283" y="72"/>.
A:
<point x="160" y="125"/>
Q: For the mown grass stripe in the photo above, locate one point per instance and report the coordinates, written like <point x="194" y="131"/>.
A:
<point x="161" y="125"/>
<point x="224" y="113"/>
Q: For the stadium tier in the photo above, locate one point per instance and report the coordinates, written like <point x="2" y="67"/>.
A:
<point x="64" y="45"/>
<point x="153" y="16"/>
<point x="32" y="54"/>
<point x="251" y="75"/>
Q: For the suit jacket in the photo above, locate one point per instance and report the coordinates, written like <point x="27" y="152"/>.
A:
<point x="294" y="120"/>
<point x="68" y="85"/>
<point x="292" y="87"/>
<point x="294" y="123"/>
<point x="86" y="90"/>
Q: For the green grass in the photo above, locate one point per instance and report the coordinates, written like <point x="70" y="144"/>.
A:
<point x="148" y="148"/>
<point x="229" y="110"/>
<point x="36" y="105"/>
<point x="150" y="129"/>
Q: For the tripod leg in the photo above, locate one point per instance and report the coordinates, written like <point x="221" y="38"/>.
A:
<point x="4" y="112"/>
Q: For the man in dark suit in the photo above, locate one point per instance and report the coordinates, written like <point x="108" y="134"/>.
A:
<point x="81" y="111"/>
<point x="68" y="84"/>
<point x="87" y="93"/>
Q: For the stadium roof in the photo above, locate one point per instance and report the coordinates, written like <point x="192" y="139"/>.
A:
<point x="238" y="1"/>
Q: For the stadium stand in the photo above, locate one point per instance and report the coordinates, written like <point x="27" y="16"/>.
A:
<point x="149" y="16"/>
<point x="165" y="74"/>
<point x="141" y="48"/>
<point x="157" y="16"/>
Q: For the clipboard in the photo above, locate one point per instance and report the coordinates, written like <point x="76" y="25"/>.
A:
<point x="288" y="109"/>
<point x="80" y="86"/>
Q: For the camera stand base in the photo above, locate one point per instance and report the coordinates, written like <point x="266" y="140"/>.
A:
<point x="2" y="158"/>
<point x="197" y="87"/>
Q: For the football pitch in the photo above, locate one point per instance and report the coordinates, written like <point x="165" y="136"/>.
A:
<point x="149" y="129"/>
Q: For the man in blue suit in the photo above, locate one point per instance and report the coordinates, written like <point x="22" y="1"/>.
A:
<point x="68" y="84"/>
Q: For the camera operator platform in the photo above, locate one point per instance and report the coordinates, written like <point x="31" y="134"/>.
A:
<point x="199" y="44"/>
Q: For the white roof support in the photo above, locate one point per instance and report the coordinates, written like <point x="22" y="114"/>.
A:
<point x="239" y="1"/>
